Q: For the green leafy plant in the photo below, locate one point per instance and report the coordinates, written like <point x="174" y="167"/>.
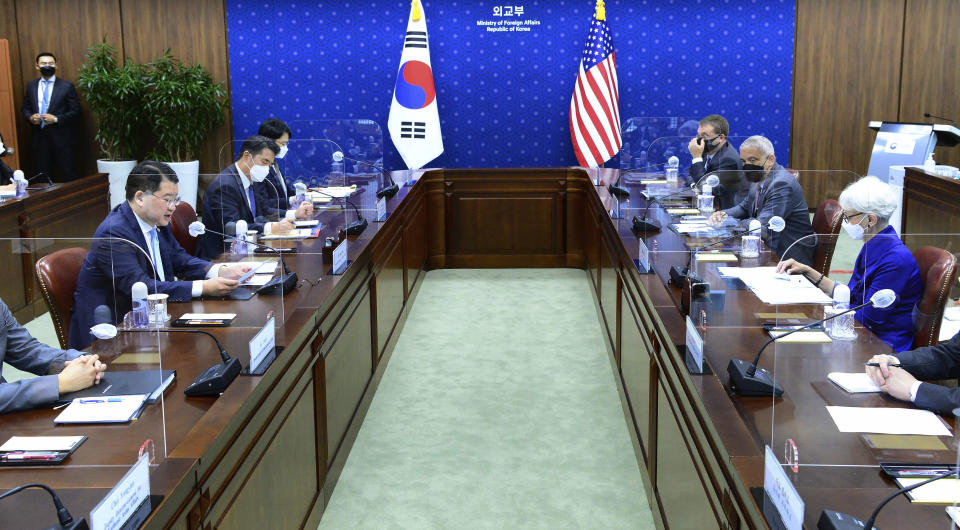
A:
<point x="182" y="105"/>
<point x="113" y="93"/>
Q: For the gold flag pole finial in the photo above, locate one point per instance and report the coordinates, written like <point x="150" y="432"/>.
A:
<point x="601" y="11"/>
<point x="416" y="10"/>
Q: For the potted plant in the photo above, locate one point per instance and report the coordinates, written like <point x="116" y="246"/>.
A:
<point x="113" y="93"/>
<point x="182" y="104"/>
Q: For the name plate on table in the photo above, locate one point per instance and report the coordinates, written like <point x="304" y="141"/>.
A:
<point x="263" y="349"/>
<point x="781" y="493"/>
<point x="643" y="257"/>
<point x="382" y="210"/>
<point x="125" y="499"/>
<point x="694" y="348"/>
<point x="339" y="258"/>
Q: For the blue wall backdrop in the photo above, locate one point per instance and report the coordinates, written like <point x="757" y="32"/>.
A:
<point x="504" y="96"/>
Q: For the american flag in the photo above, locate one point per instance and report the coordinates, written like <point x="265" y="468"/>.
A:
<point x="595" y="107"/>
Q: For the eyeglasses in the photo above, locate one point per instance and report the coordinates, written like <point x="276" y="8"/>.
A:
<point x="847" y="218"/>
<point x="170" y="202"/>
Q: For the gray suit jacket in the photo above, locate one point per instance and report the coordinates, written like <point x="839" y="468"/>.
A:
<point x="780" y="194"/>
<point x="935" y="362"/>
<point x="19" y="349"/>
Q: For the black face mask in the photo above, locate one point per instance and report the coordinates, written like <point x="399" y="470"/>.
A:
<point x="47" y="71"/>
<point x="708" y="145"/>
<point x="753" y="172"/>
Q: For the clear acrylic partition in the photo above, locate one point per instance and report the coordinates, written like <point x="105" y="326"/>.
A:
<point x="143" y="354"/>
<point x="799" y="427"/>
<point x="640" y="133"/>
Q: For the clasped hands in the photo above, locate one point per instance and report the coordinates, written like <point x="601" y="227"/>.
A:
<point x="80" y="373"/>
<point x="49" y="119"/>
<point x="891" y="379"/>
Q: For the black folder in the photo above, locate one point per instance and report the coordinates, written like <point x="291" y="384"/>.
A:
<point x="147" y="382"/>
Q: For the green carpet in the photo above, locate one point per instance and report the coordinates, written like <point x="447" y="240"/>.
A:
<point x="498" y="409"/>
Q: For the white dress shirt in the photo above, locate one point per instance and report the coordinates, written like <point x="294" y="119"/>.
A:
<point x="146" y="228"/>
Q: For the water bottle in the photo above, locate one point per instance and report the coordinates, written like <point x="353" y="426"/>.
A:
<point x="673" y="164"/>
<point x="930" y="166"/>
<point x="20" y="183"/>
<point x="842" y="326"/>
<point x="240" y="245"/>
<point x="140" y="313"/>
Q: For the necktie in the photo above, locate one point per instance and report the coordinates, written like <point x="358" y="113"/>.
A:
<point x="155" y="250"/>
<point x="253" y="201"/>
<point x="45" y="102"/>
<point x="282" y="188"/>
<point x="756" y="203"/>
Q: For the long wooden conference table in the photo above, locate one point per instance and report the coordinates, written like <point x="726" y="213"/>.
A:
<point x="267" y="453"/>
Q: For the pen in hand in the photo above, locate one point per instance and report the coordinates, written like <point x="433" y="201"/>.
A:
<point x="878" y="364"/>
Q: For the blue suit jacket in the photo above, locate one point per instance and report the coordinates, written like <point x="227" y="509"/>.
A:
<point x="113" y="266"/>
<point x="24" y="352"/>
<point x="885" y="262"/>
<point x="780" y="194"/>
<point x="225" y="202"/>
<point x="286" y="190"/>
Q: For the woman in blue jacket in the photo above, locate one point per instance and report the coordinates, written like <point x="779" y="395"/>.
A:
<point x="884" y="262"/>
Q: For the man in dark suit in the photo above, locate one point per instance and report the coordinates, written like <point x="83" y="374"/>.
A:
<point x="773" y="192"/>
<point x="712" y="153"/>
<point x="59" y="371"/>
<point x="234" y="195"/>
<point x="279" y="190"/>
<point x="929" y="362"/>
<point x="52" y="107"/>
<point x="132" y="231"/>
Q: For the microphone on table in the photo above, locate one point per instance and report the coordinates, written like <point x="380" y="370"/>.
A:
<point x="928" y="115"/>
<point x="41" y="173"/>
<point x="212" y="382"/>
<point x="281" y="284"/>
<point x="66" y="520"/>
<point x="355" y="228"/>
<point x="643" y="223"/>
<point x="749" y="380"/>
<point x="678" y="273"/>
<point x="617" y="190"/>
<point x="712" y="181"/>
<point x="831" y="520"/>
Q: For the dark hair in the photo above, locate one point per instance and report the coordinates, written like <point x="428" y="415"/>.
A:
<point x="256" y="144"/>
<point x="719" y="124"/>
<point x="45" y="54"/>
<point x="147" y="176"/>
<point x="274" y="128"/>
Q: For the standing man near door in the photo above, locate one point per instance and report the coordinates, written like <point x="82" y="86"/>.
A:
<point x="52" y="107"/>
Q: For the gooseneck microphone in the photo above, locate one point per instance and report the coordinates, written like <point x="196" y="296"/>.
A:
<point x="678" y="273"/>
<point x="941" y="118"/>
<point x="211" y="382"/>
<point x="831" y="520"/>
<point x="355" y="228"/>
<point x="642" y="223"/>
<point x="281" y="284"/>
<point x="749" y="380"/>
<point x="63" y="516"/>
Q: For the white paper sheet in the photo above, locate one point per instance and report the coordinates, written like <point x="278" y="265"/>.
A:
<point x="885" y="420"/>
<point x="115" y="409"/>
<point x="41" y="443"/>
<point x="854" y="383"/>
<point x="776" y="288"/>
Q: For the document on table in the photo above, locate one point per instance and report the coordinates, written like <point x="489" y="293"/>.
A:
<point x="42" y="443"/>
<point x="686" y="228"/>
<point x="296" y="233"/>
<point x="258" y="280"/>
<point x="113" y="409"/>
<point x="775" y="288"/>
<point x="886" y="420"/>
<point x="260" y="266"/>
<point x="854" y="383"/>
<point x="336" y="191"/>
<point x="716" y="256"/>
<point x="943" y="491"/>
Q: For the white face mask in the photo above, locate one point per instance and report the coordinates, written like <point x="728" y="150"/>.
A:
<point x="259" y="173"/>
<point x="283" y="152"/>
<point x="855" y="231"/>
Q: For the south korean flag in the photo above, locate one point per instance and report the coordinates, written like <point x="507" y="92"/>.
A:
<point x="414" y="121"/>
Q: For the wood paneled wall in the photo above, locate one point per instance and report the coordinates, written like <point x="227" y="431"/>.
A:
<point x="195" y="31"/>
<point x="862" y="60"/>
